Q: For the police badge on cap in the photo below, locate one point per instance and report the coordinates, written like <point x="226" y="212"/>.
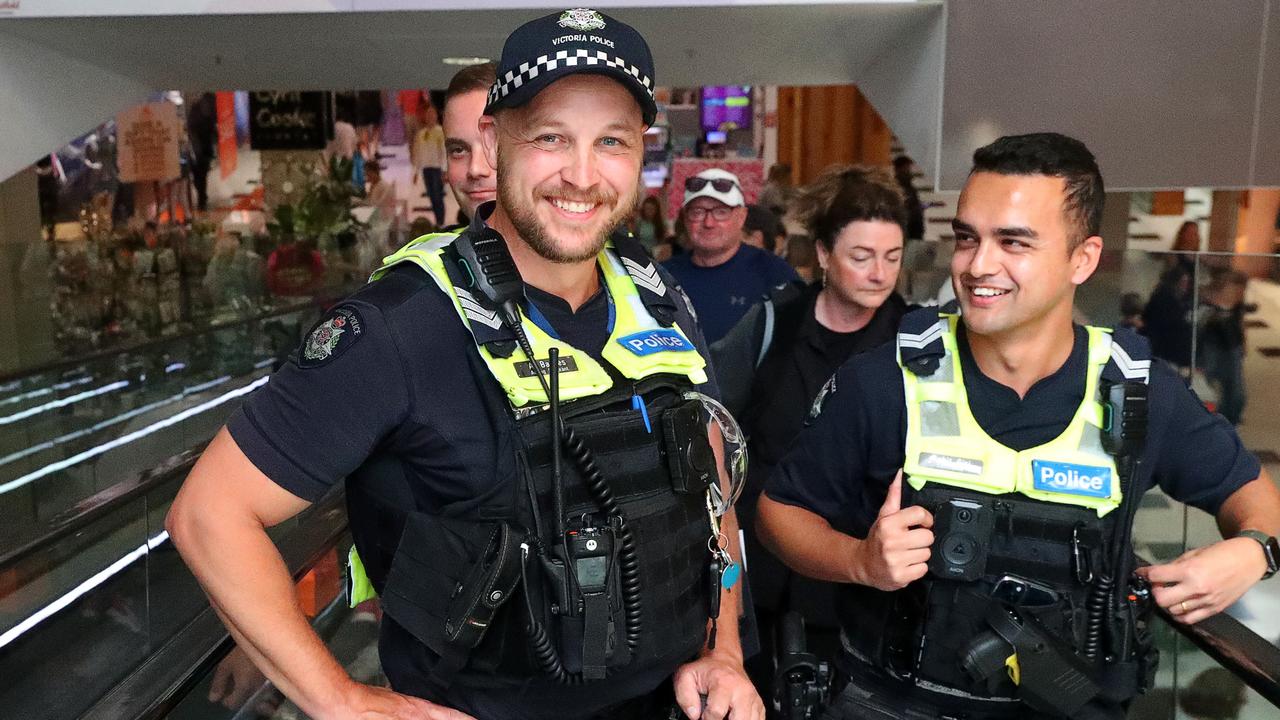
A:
<point x="574" y="41"/>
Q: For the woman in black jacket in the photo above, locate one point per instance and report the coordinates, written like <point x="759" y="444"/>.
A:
<point x="771" y="366"/>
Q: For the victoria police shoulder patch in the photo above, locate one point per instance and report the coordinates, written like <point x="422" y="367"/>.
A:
<point x="329" y="338"/>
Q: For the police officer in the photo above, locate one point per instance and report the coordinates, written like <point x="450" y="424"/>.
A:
<point x="519" y="411"/>
<point x="974" y="482"/>
<point x="471" y="180"/>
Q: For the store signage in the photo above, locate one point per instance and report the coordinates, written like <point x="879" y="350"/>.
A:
<point x="228" y="151"/>
<point x="290" y="120"/>
<point x="147" y="137"/>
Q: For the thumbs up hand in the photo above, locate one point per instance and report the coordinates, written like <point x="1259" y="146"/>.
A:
<point x="896" y="550"/>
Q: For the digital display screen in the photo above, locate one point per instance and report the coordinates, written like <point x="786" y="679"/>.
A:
<point x="726" y="105"/>
<point x="592" y="571"/>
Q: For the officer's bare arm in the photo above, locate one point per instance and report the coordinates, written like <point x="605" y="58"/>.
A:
<point x="1255" y="506"/>
<point x="218" y="523"/>
<point x="1206" y="580"/>
<point x="894" y="553"/>
<point x="805" y="541"/>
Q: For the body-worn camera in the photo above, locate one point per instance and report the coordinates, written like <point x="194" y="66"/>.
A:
<point x="963" y="528"/>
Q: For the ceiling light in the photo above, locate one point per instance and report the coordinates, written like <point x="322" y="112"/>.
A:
<point x="465" y="60"/>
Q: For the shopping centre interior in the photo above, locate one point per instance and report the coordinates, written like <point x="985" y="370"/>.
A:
<point x="164" y="246"/>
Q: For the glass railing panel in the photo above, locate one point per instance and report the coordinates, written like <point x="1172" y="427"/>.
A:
<point x="143" y="410"/>
<point x="74" y="615"/>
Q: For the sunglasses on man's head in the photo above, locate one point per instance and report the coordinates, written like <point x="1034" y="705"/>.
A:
<point x="721" y="185"/>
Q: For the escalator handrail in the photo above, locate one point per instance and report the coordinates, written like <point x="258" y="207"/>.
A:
<point x="1244" y="653"/>
<point x="155" y="342"/>
<point x="164" y="679"/>
<point x="85" y="512"/>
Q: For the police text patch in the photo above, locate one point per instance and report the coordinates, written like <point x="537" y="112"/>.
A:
<point x="1071" y="479"/>
<point x="331" y="337"/>
<point x="652" y="341"/>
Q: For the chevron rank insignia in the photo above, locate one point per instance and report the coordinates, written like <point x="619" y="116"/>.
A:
<point x="476" y="312"/>
<point x="331" y="337"/>
<point x="645" y="276"/>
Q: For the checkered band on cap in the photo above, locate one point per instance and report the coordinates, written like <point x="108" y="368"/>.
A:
<point x="564" y="58"/>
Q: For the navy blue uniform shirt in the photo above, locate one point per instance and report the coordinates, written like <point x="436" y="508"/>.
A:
<point x="842" y="464"/>
<point x="391" y="380"/>
<point x="722" y="294"/>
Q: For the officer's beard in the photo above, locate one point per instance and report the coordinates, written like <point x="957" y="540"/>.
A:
<point x="524" y="219"/>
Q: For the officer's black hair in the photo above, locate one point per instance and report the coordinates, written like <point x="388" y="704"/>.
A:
<point x="849" y="193"/>
<point x="471" y="78"/>
<point x="1054" y="155"/>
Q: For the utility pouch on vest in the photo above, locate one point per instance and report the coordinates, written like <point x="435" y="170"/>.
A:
<point x="476" y="563"/>
<point x="689" y="455"/>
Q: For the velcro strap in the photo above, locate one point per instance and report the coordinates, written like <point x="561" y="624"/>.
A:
<point x="488" y="585"/>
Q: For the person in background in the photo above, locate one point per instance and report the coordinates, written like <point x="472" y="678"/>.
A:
<point x="904" y="169"/>
<point x="721" y="274"/>
<point x="774" y="361"/>
<point x="427" y="155"/>
<point x="802" y="257"/>
<point x="777" y="191"/>
<point x="762" y="228"/>
<point x="1166" y="319"/>
<point x="1220" y="339"/>
<point x="345" y="140"/>
<point x="471" y="180"/>
<point x="648" y="225"/>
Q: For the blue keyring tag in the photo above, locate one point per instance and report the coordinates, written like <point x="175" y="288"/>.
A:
<point x="730" y="576"/>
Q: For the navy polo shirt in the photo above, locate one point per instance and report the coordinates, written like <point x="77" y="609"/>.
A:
<point x="722" y="294"/>
<point x="386" y="376"/>
<point x="842" y="464"/>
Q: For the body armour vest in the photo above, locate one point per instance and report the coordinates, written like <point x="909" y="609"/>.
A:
<point x="1027" y="595"/>
<point x="608" y="571"/>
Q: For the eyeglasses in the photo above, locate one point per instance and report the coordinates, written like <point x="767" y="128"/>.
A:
<point x="721" y="185"/>
<point x="698" y="214"/>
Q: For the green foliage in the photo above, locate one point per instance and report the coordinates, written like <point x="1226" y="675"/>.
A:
<point x="323" y="213"/>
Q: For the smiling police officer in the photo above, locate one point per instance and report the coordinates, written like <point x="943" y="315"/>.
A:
<point x="518" y="411"/>
<point x="975" y="482"/>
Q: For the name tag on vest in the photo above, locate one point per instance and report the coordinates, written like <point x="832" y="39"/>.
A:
<point x="1070" y="479"/>
<point x="652" y="341"/>
<point x="567" y="364"/>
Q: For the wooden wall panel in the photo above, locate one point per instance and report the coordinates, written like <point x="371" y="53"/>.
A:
<point x="829" y="124"/>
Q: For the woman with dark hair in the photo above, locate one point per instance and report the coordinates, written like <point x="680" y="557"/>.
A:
<point x="771" y="366"/>
<point x="648" y="225"/>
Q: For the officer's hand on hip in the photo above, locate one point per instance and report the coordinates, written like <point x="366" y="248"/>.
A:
<point x="896" y="550"/>
<point x="1205" y="581"/>
<point x="729" y="692"/>
<point x="367" y="702"/>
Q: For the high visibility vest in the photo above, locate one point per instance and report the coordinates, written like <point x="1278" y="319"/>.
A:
<point x="638" y="346"/>
<point x="946" y="445"/>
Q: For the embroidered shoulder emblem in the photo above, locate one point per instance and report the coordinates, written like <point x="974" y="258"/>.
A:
<point x="331" y="337"/>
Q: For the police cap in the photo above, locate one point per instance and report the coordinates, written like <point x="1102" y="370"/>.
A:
<point x="574" y="41"/>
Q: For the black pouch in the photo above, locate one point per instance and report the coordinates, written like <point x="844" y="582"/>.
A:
<point x="449" y="578"/>
<point x="689" y="456"/>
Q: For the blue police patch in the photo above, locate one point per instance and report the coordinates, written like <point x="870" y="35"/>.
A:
<point x="1070" y="479"/>
<point x="652" y="341"/>
<point x="331" y="337"/>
